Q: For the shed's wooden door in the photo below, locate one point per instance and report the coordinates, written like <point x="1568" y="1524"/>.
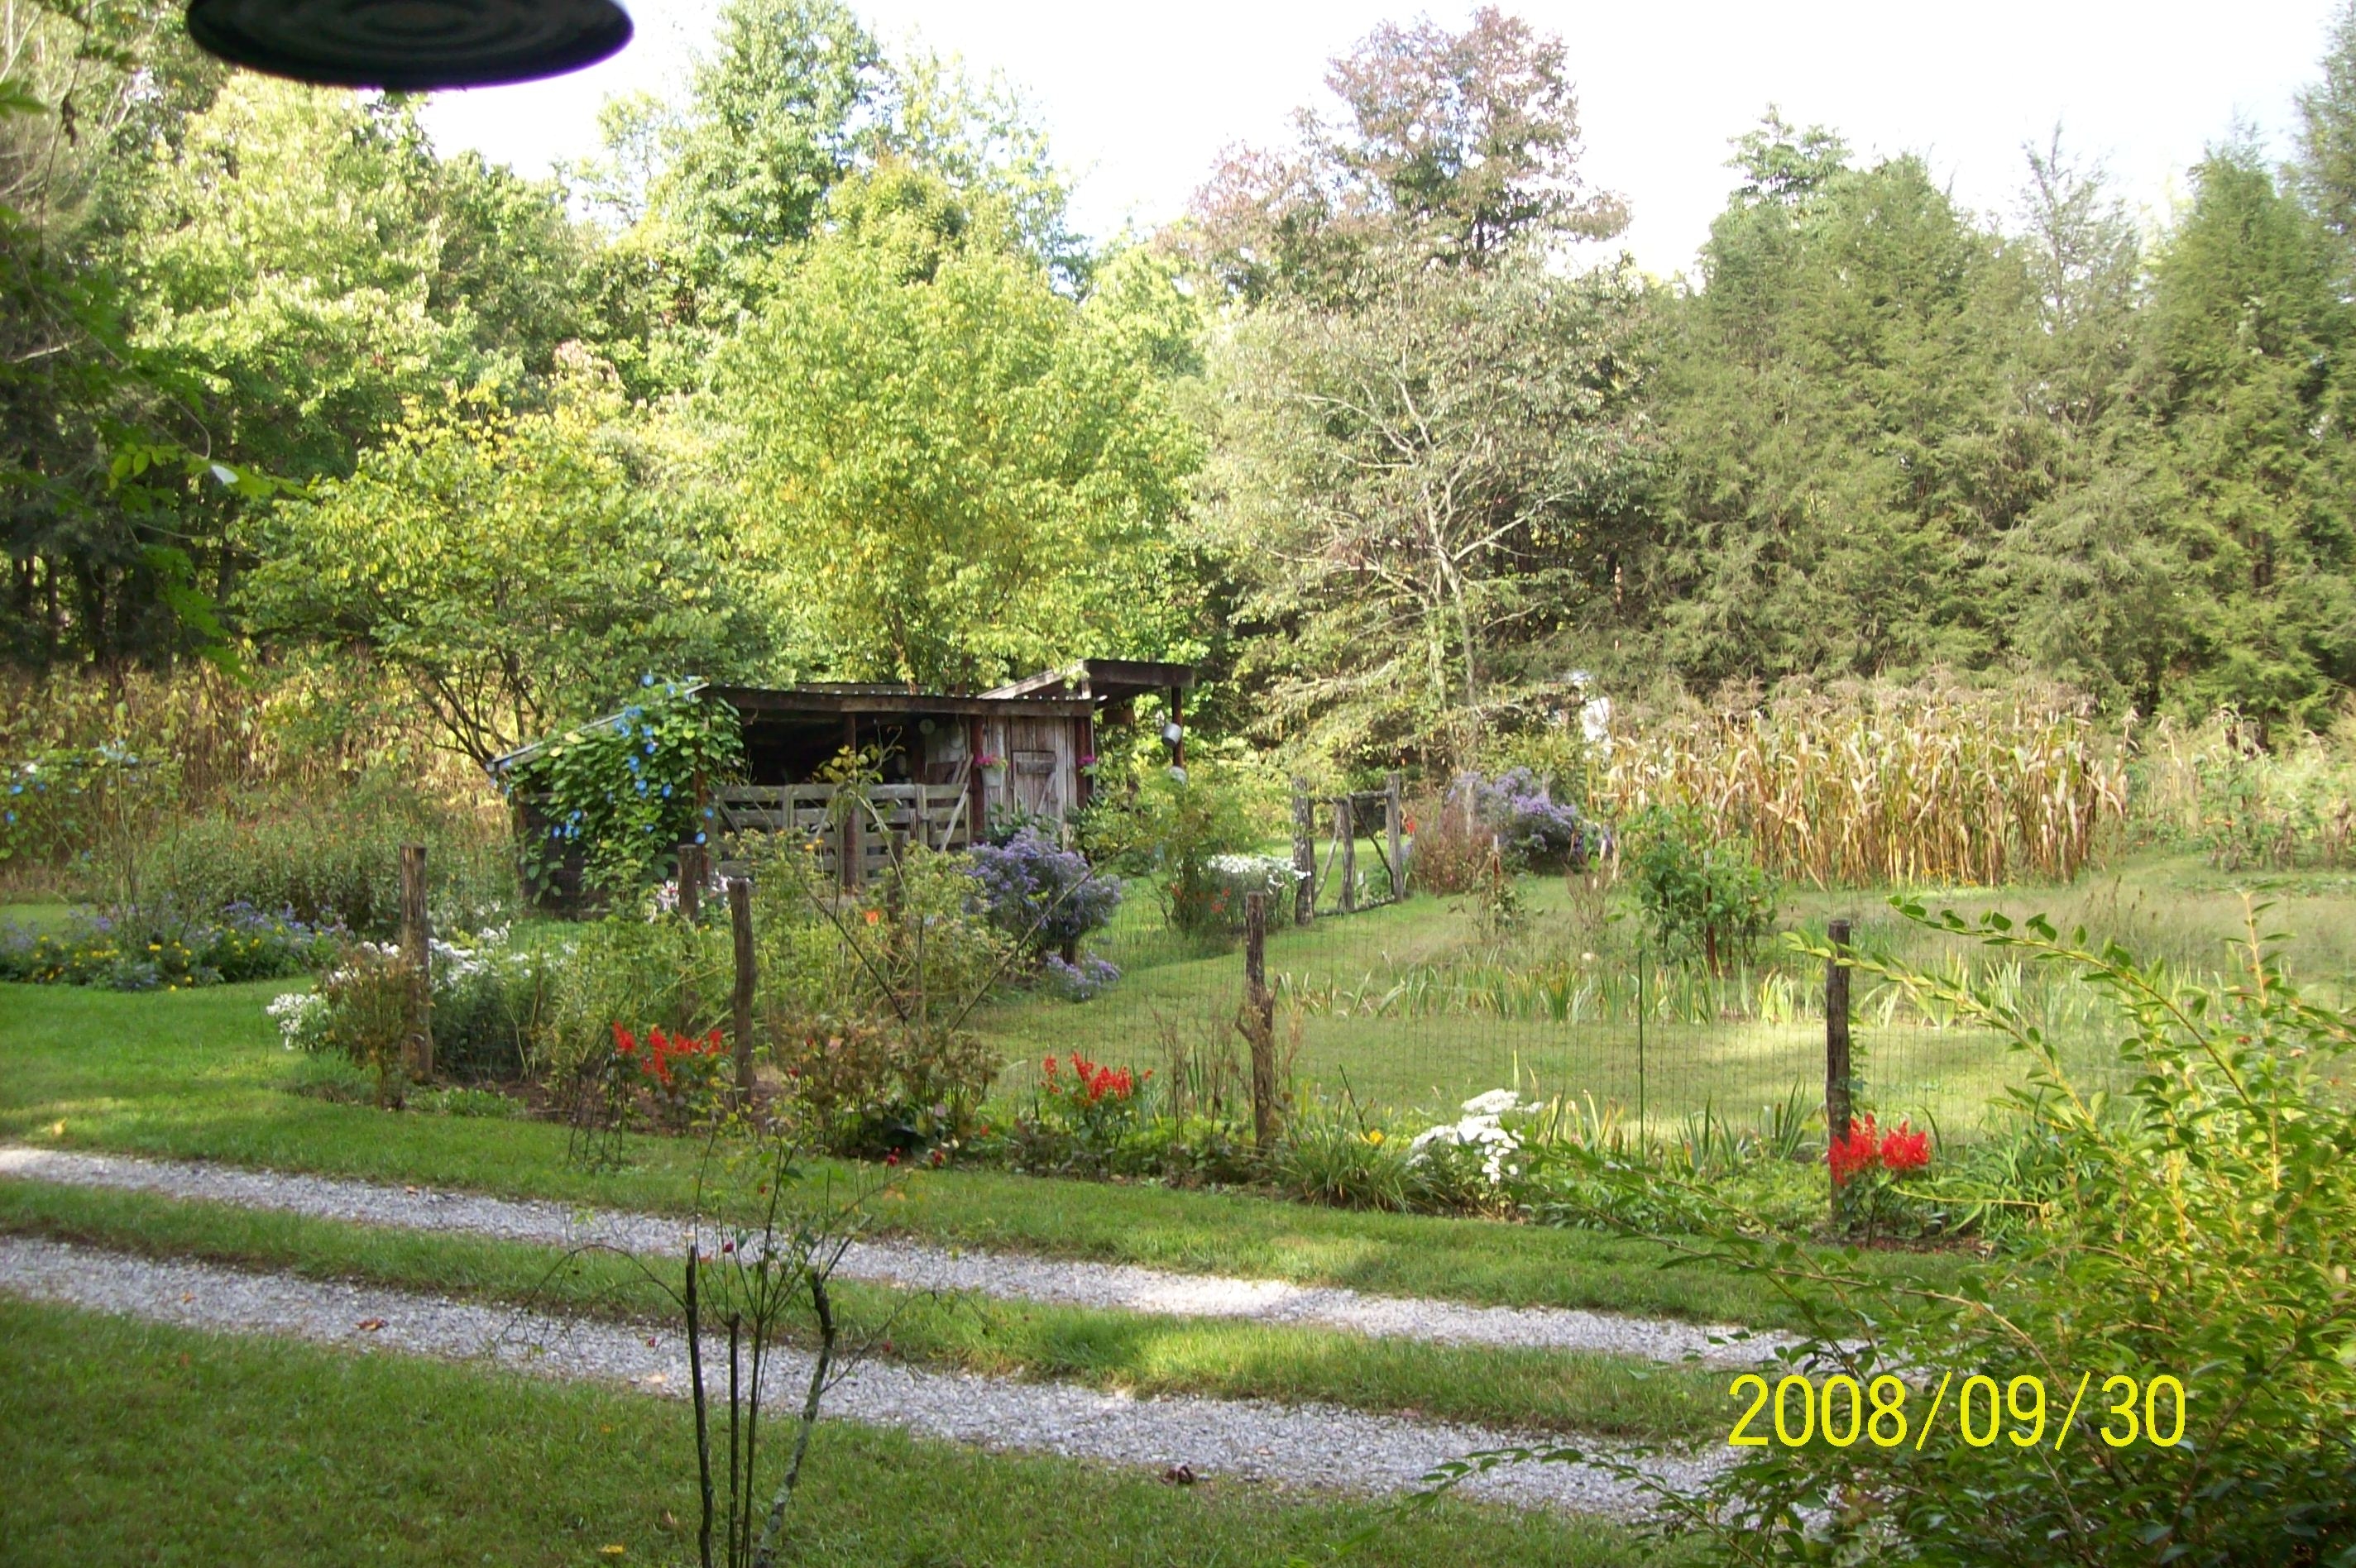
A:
<point x="1039" y="771"/>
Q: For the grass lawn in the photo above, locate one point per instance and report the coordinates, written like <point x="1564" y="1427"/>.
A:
<point x="127" y="1443"/>
<point x="193" y="1074"/>
<point x="1137" y="1352"/>
<point x="33" y="914"/>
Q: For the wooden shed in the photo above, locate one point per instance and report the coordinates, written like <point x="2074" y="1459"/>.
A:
<point x="951" y="763"/>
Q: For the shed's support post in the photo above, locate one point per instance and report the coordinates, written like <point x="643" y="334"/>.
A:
<point x="1394" y="815"/>
<point x="977" y="804"/>
<point x="1345" y="828"/>
<point x="694" y="866"/>
<point x="1304" y="854"/>
<point x="417" y="954"/>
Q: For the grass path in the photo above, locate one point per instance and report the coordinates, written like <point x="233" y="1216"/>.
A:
<point x="1300" y="1445"/>
<point x="217" y="1448"/>
<point x="912" y="1265"/>
<point x="1134" y="1353"/>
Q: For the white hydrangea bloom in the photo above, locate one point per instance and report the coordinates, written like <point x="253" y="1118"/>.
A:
<point x="1495" y="1103"/>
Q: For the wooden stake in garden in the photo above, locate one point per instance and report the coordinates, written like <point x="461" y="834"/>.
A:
<point x="740" y="918"/>
<point x="1345" y="828"/>
<point x="1837" y="1084"/>
<point x="1394" y="813"/>
<point x="1259" y="1021"/>
<point x="417" y="953"/>
<point x="694" y="866"/>
<point x="1304" y="854"/>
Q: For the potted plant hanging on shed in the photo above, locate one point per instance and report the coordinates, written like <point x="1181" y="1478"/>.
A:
<point x="993" y="770"/>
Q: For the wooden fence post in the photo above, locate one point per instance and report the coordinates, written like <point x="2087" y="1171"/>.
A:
<point x="1838" y="1082"/>
<point x="1259" y="1028"/>
<point x="740" y="920"/>
<point x="417" y="953"/>
<point x="694" y="866"/>
<point x="1304" y="854"/>
<point x="1394" y="815"/>
<point x="854" y="847"/>
<point x="1345" y="828"/>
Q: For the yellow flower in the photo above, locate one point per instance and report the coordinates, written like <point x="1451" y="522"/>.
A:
<point x="1374" y="1136"/>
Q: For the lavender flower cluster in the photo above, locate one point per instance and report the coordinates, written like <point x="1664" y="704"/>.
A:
<point x="1033" y="887"/>
<point x="1531" y="827"/>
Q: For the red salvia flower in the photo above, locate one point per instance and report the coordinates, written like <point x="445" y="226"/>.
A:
<point x="1904" y="1150"/>
<point x="1858" y="1150"/>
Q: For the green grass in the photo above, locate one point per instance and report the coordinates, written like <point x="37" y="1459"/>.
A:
<point x="33" y="914"/>
<point x="1140" y="1354"/>
<point x="127" y="1443"/>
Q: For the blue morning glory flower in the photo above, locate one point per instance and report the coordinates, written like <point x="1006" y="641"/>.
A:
<point x="647" y="679"/>
<point x="699" y="838"/>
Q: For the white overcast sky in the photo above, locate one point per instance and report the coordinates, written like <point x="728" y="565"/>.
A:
<point x="1140" y="100"/>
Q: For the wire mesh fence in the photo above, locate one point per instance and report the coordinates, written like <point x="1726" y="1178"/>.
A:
<point x="1406" y="1009"/>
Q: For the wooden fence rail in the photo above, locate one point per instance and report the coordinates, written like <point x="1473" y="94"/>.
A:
<point x="936" y="815"/>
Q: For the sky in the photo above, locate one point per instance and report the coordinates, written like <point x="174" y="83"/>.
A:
<point x="1139" y="101"/>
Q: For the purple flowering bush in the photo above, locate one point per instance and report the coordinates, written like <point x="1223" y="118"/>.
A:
<point x="1041" y="893"/>
<point x="1081" y="982"/>
<point x="1531" y="827"/>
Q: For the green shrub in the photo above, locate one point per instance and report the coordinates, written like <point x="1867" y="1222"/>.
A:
<point x="1182" y="827"/>
<point x="371" y="1010"/>
<point x="635" y="972"/>
<point x="1328" y="1157"/>
<point x="622" y="793"/>
<point x="872" y="1087"/>
<point x="492" y="1002"/>
<point x="1703" y="893"/>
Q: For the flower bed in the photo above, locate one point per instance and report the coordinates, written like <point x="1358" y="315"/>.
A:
<point x="166" y="950"/>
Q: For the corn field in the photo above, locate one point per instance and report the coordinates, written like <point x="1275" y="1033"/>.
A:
<point x="1890" y="787"/>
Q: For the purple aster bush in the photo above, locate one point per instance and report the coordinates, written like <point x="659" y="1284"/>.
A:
<point x="1079" y="982"/>
<point x="1532" y="828"/>
<point x="1032" y="888"/>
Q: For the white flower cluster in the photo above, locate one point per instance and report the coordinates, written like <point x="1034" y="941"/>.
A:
<point x="301" y="1018"/>
<point x="666" y="897"/>
<point x="1255" y="873"/>
<point x="1480" y="1127"/>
